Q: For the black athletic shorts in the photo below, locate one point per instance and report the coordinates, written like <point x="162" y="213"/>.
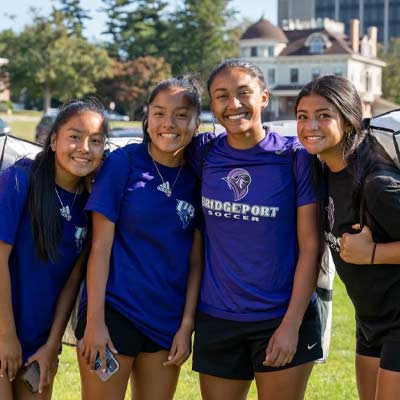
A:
<point x="127" y="339"/>
<point x="235" y="350"/>
<point x="388" y="352"/>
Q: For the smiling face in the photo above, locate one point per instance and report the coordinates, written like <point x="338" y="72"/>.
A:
<point x="172" y="122"/>
<point x="321" y="128"/>
<point x="237" y="100"/>
<point x="78" y="147"/>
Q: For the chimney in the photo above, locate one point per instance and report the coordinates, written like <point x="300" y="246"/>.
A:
<point x="373" y="40"/>
<point x="355" y="35"/>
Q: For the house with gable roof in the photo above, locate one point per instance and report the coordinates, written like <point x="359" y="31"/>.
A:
<point x="303" y="50"/>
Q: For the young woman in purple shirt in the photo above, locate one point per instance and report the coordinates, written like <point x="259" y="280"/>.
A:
<point x="145" y="263"/>
<point x="257" y="313"/>
<point x="43" y="227"/>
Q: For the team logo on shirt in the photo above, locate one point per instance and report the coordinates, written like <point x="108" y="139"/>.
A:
<point x="185" y="211"/>
<point x="238" y="181"/>
<point x="330" y="208"/>
<point x="80" y="235"/>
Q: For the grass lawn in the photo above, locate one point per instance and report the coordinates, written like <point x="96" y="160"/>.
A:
<point x="332" y="381"/>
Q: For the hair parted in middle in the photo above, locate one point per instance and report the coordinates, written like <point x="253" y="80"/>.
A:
<point x="188" y="83"/>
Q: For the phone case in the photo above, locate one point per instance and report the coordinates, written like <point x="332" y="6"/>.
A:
<point x="31" y="377"/>
<point x="112" y="366"/>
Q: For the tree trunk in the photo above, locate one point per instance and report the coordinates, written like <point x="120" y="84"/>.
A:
<point x="46" y="99"/>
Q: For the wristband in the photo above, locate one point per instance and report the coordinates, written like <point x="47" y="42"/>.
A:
<point x="373" y="253"/>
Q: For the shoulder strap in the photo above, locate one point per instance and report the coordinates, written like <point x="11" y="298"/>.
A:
<point x="3" y="150"/>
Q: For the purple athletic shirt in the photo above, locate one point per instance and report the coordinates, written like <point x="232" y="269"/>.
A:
<point x="249" y="200"/>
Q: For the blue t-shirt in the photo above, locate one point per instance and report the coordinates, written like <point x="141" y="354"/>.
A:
<point x="249" y="200"/>
<point x="153" y="238"/>
<point x="35" y="284"/>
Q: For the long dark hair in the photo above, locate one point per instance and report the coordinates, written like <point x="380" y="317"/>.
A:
<point x="42" y="202"/>
<point x="188" y="83"/>
<point x="361" y="152"/>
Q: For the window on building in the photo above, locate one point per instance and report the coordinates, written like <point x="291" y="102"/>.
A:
<point x="253" y="51"/>
<point x="270" y="51"/>
<point x="368" y="82"/>
<point x="317" y="45"/>
<point x="315" y="73"/>
<point x="271" y="76"/>
<point x="294" y="75"/>
<point x="339" y="71"/>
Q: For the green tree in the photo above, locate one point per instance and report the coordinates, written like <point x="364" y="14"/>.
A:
<point x="75" y="15"/>
<point x="116" y="14"/>
<point x="46" y="62"/>
<point x="145" y="29"/>
<point x="137" y="27"/>
<point x="391" y="74"/>
<point x="133" y="81"/>
<point x="202" y="33"/>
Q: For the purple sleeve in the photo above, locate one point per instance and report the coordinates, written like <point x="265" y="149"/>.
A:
<point x="14" y="184"/>
<point x="109" y="186"/>
<point x="303" y="172"/>
<point x="195" y="151"/>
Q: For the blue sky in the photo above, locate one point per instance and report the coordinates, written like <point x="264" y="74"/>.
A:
<point x="252" y="9"/>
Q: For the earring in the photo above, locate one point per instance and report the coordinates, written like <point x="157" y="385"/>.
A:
<point x="348" y="132"/>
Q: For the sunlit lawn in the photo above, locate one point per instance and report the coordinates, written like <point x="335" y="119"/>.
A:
<point x="332" y="381"/>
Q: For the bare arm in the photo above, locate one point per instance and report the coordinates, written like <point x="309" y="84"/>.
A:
<point x="283" y="343"/>
<point x="358" y="248"/>
<point x="10" y="347"/>
<point x="47" y="355"/>
<point x="96" y="336"/>
<point x="181" y="345"/>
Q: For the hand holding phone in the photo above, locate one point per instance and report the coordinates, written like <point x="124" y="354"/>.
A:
<point x="31" y="376"/>
<point x="112" y="366"/>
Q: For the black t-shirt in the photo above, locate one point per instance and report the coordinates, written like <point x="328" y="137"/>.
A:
<point x="373" y="289"/>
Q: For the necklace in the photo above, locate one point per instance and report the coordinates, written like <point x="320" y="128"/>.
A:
<point x="165" y="185"/>
<point x="65" y="211"/>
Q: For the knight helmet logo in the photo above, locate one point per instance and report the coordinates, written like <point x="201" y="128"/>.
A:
<point x="238" y="181"/>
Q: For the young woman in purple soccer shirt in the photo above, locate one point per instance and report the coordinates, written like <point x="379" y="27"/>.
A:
<point x="257" y="313"/>
<point x="356" y="170"/>
<point x="145" y="263"/>
<point x="42" y="235"/>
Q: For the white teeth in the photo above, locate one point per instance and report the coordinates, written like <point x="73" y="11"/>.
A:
<point x="169" y="135"/>
<point x="81" y="160"/>
<point x="237" y="116"/>
<point x="314" y="138"/>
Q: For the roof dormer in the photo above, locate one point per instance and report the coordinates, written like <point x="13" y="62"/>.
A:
<point x="317" y="42"/>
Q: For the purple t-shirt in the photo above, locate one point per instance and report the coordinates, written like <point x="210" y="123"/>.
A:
<point x="249" y="200"/>
<point x="153" y="238"/>
<point x="35" y="284"/>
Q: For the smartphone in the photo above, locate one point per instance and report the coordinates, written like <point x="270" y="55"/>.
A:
<point x="112" y="366"/>
<point x="31" y="377"/>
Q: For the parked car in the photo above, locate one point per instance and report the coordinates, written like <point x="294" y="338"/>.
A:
<point x="4" y="127"/>
<point x="44" y="126"/>
<point x="126" y="132"/>
<point x="207" y="117"/>
<point x="114" y="116"/>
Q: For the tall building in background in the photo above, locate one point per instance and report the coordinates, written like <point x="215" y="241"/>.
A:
<point x="295" y="9"/>
<point x="384" y="14"/>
